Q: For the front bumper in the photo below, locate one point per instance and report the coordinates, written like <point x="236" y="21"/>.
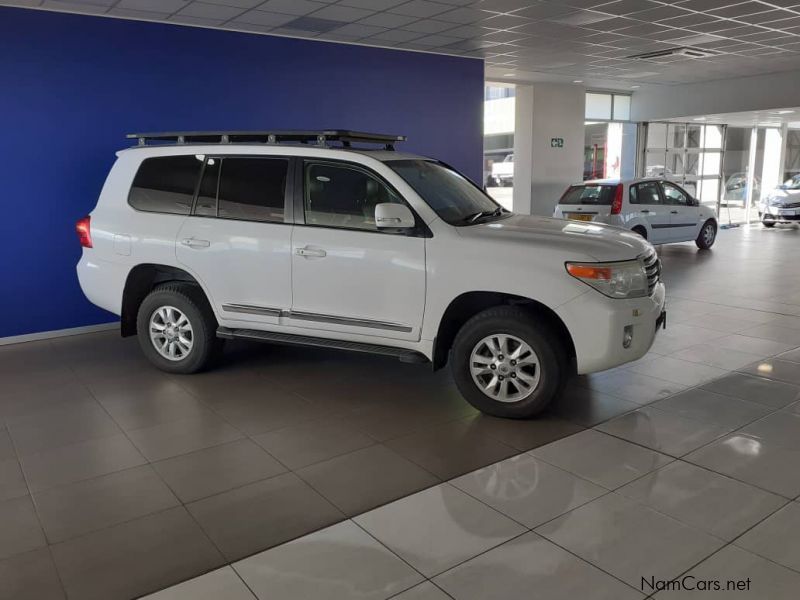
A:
<point x="597" y="325"/>
<point x="781" y="215"/>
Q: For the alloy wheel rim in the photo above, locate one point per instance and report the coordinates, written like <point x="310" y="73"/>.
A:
<point x="505" y="368"/>
<point x="171" y="333"/>
<point x="708" y="233"/>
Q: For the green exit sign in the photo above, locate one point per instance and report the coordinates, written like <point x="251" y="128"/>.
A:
<point x="556" y="142"/>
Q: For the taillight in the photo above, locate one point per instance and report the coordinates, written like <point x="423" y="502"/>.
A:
<point x="83" y="227"/>
<point x="616" y="205"/>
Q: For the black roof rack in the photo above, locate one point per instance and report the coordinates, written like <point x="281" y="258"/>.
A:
<point x="320" y="138"/>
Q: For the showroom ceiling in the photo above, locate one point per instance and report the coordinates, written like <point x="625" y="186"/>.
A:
<point x="521" y="40"/>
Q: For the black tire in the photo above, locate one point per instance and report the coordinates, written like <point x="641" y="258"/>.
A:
<point x="767" y="224"/>
<point x="540" y="337"/>
<point x="640" y="230"/>
<point x="190" y="300"/>
<point x="704" y="241"/>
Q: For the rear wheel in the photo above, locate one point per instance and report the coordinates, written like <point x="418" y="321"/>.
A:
<point x="177" y="329"/>
<point x="707" y="236"/>
<point x="640" y="230"/>
<point x="507" y="364"/>
<point x="766" y="223"/>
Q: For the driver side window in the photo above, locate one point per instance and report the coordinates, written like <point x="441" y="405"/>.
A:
<point x="342" y="196"/>
<point x="674" y="195"/>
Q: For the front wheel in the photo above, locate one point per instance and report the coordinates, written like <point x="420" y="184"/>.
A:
<point x="507" y="364"/>
<point x="767" y="224"/>
<point x="707" y="236"/>
<point x="177" y="328"/>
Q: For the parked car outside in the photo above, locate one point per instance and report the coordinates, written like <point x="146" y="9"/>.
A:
<point x="378" y="251"/>
<point x="736" y="189"/>
<point x="503" y="172"/>
<point x="660" y="211"/>
<point x="782" y="205"/>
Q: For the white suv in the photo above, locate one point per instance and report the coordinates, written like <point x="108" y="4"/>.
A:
<point x="301" y="238"/>
<point x="658" y="210"/>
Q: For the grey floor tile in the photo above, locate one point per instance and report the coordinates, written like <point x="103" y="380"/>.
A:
<point x="760" y="578"/>
<point x="80" y="461"/>
<point x="222" y="584"/>
<point x="720" y="322"/>
<point x="703" y="499"/>
<point x="366" y="478"/>
<point x="134" y="558"/>
<point x="782" y="428"/>
<point x="20" y="527"/>
<point x="6" y="445"/>
<point x="775" y="394"/>
<point x="528" y="489"/>
<point x="61" y="427"/>
<point x="423" y="591"/>
<point x="629" y="540"/>
<point x="524" y="434"/>
<point x="678" y="371"/>
<point x="752" y="345"/>
<point x="640" y="389"/>
<point x="451" y="449"/>
<point x="150" y="404"/>
<point x="531" y="567"/>
<point x="600" y="458"/>
<point x="78" y="508"/>
<point x="217" y="469"/>
<point x="715" y="356"/>
<point x="12" y="481"/>
<point x="759" y="462"/>
<point x="791" y="355"/>
<point x="588" y="407"/>
<point x="701" y="405"/>
<point x="775" y="333"/>
<point x="339" y="562"/>
<point x="776" y="537"/>
<point x="663" y="431"/>
<point x="260" y="515"/>
<point x="773" y="368"/>
<point x="312" y="442"/>
<point x="174" y="438"/>
<point x="254" y="413"/>
<point x="39" y="396"/>
<point x="438" y="528"/>
<point x="30" y="576"/>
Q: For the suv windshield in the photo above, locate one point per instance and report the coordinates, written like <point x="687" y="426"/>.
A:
<point x="792" y="184"/>
<point x="595" y="195"/>
<point x="455" y="199"/>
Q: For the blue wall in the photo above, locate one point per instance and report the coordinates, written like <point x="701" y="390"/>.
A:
<point x="72" y="86"/>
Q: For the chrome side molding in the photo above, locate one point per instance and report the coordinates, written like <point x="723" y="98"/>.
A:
<point x="254" y="310"/>
<point x="315" y="317"/>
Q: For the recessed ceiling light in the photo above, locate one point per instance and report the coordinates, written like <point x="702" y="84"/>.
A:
<point x="699" y="119"/>
<point x="781" y="112"/>
<point x="508" y="74"/>
<point x="578" y="81"/>
<point x="635" y="87"/>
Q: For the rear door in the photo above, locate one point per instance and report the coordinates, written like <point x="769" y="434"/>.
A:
<point x="237" y="240"/>
<point x="684" y="214"/>
<point x="586" y="202"/>
<point x="647" y="204"/>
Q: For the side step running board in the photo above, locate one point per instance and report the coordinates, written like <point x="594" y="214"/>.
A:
<point x="404" y="355"/>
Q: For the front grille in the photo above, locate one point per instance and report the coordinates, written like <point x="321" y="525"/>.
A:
<point x="791" y="205"/>
<point x="652" y="267"/>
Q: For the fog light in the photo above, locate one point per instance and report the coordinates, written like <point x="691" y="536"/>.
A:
<point x="627" y="336"/>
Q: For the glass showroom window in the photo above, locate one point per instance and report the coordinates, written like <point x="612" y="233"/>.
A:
<point x="498" y="142"/>
<point x="609" y="139"/>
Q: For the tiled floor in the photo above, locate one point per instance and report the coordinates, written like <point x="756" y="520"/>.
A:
<point x="117" y="480"/>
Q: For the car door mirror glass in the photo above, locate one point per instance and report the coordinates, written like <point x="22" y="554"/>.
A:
<point x="391" y="215"/>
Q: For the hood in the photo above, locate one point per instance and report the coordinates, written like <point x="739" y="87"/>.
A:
<point x="602" y="243"/>
<point x="780" y="196"/>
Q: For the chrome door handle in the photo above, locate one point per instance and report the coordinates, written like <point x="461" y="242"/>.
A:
<point x="673" y="212"/>
<point x="644" y="211"/>
<point x="195" y="243"/>
<point x="311" y="252"/>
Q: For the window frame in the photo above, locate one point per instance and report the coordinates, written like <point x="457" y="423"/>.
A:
<point x="687" y="195"/>
<point x="198" y="179"/>
<point x="420" y="228"/>
<point x="636" y="185"/>
<point x="288" y="191"/>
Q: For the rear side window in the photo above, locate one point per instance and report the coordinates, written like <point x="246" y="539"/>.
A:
<point x="645" y="193"/>
<point x="252" y="189"/>
<point x="165" y="184"/>
<point x="592" y="195"/>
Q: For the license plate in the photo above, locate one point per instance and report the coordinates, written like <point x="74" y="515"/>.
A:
<point x="579" y="217"/>
<point x="788" y="213"/>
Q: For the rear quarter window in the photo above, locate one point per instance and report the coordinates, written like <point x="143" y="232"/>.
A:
<point x="592" y="195"/>
<point x="165" y="184"/>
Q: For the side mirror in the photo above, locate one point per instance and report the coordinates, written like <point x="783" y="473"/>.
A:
<point x="390" y="215"/>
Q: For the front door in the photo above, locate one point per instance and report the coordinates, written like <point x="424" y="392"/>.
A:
<point x="347" y="276"/>
<point x="646" y="198"/>
<point x="237" y="241"/>
<point x="684" y="214"/>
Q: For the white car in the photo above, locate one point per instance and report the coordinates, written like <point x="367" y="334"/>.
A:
<point x="503" y="171"/>
<point x="781" y="205"/>
<point x="317" y="243"/>
<point x="660" y="211"/>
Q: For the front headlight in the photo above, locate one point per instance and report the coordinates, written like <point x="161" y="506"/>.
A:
<point x="616" y="280"/>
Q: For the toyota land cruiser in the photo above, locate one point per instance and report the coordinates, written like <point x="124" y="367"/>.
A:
<point x="311" y="238"/>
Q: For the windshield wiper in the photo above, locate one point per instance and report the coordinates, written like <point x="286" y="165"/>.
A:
<point x="485" y="213"/>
